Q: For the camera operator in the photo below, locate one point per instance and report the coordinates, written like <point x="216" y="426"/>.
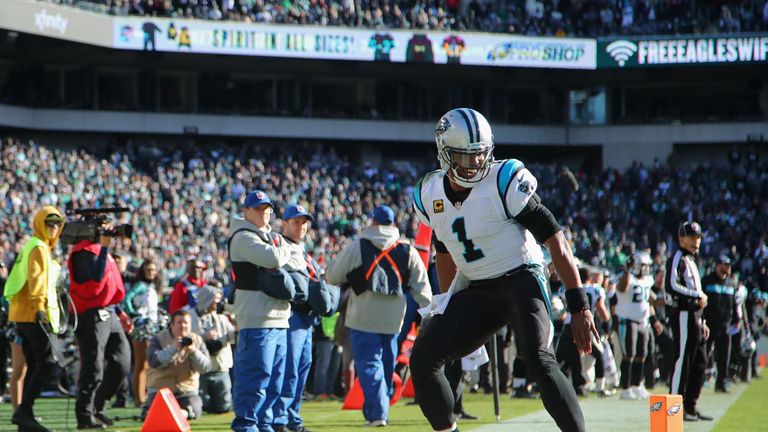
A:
<point x="34" y="308"/>
<point x="177" y="357"/>
<point x="96" y="287"/>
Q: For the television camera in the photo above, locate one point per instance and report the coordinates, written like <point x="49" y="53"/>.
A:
<point x="91" y="225"/>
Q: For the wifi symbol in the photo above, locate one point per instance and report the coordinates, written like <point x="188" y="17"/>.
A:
<point x="621" y="51"/>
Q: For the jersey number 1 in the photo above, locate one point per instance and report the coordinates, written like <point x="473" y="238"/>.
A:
<point x="471" y="253"/>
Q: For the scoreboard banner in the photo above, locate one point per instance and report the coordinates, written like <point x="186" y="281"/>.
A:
<point x="341" y="43"/>
<point x="382" y="45"/>
<point x="682" y="51"/>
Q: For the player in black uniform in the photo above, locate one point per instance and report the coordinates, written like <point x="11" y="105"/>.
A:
<point x="718" y="314"/>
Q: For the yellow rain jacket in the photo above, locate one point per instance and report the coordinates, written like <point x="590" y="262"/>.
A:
<point x="32" y="282"/>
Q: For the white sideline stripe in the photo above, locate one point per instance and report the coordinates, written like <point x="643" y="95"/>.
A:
<point x="614" y="415"/>
<point x="675" y="387"/>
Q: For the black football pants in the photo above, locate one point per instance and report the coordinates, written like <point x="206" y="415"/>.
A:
<point x="719" y="345"/>
<point x="471" y="318"/>
<point x="687" y="376"/>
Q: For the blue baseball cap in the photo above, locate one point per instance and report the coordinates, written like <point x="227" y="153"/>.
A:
<point x="384" y="215"/>
<point x="295" y="211"/>
<point x="257" y="198"/>
<point x="724" y="259"/>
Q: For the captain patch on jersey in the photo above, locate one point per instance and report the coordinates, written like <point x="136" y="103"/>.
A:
<point x="437" y="206"/>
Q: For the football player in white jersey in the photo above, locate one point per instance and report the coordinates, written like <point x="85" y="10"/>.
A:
<point x="634" y="310"/>
<point x="489" y="222"/>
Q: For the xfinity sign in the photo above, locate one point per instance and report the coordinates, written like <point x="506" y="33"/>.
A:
<point x="45" y="21"/>
<point x="635" y="52"/>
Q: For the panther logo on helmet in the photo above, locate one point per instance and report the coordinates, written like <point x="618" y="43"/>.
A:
<point x="442" y="126"/>
<point x="640" y="264"/>
<point x="464" y="146"/>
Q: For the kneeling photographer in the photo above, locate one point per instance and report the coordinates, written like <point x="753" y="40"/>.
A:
<point x="218" y="333"/>
<point x="177" y="357"/>
<point x="96" y="287"/>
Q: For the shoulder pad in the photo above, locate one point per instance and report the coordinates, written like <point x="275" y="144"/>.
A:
<point x="417" y="200"/>
<point x="506" y="172"/>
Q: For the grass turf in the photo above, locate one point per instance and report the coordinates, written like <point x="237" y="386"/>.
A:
<point x="749" y="412"/>
<point x="318" y="416"/>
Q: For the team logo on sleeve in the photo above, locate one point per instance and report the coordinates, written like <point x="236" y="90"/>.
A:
<point x="437" y="206"/>
<point x="525" y="187"/>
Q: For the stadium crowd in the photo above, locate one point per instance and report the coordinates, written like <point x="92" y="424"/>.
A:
<point x="529" y="17"/>
<point x="184" y="196"/>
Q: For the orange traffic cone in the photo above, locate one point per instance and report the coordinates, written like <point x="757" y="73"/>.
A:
<point x="354" y="399"/>
<point x="408" y="391"/>
<point x="398" y="382"/>
<point x="165" y="414"/>
<point x="424" y="242"/>
<point x="348" y="377"/>
<point x="404" y="357"/>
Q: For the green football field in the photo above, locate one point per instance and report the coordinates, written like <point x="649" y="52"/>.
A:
<point x="749" y="413"/>
<point x="319" y="416"/>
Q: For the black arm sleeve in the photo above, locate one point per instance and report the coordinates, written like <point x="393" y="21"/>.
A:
<point x="87" y="266"/>
<point x="537" y="219"/>
<point x="439" y="246"/>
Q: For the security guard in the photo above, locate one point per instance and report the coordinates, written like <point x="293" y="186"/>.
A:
<point x="296" y="222"/>
<point x="262" y="308"/>
<point x="380" y="268"/>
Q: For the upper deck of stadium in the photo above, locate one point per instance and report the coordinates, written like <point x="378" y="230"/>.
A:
<point x="635" y="97"/>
